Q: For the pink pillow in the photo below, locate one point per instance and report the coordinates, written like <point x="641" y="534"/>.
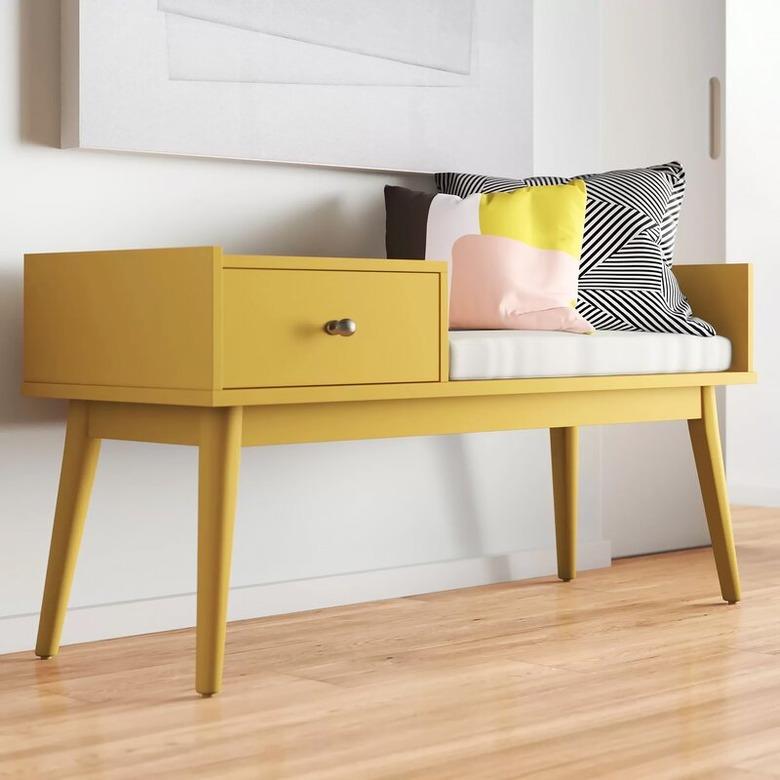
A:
<point x="502" y="284"/>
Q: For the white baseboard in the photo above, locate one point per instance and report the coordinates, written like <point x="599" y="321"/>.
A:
<point x="107" y="621"/>
<point x="754" y="495"/>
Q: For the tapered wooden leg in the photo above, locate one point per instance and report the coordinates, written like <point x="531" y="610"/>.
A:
<point x="564" y="447"/>
<point x="219" y="456"/>
<point x="79" y="460"/>
<point x="705" y="440"/>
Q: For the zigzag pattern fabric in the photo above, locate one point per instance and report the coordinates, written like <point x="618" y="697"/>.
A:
<point x="626" y="280"/>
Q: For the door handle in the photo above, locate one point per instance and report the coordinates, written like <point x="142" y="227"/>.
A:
<point x="716" y="119"/>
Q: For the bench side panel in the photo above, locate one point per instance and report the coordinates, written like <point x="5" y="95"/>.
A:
<point x="722" y="294"/>
<point x="131" y="318"/>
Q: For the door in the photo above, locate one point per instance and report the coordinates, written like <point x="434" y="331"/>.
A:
<point x="657" y="59"/>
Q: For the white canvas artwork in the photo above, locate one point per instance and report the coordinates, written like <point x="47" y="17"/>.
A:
<point x="411" y="85"/>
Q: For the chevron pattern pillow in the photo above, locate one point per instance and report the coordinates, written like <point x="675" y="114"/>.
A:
<point x="626" y="280"/>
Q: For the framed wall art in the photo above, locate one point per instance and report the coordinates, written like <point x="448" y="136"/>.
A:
<point x="411" y="85"/>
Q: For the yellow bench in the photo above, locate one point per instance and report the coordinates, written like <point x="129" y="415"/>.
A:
<point x="193" y="346"/>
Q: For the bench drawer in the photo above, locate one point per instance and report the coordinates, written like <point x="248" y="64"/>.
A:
<point x="274" y="334"/>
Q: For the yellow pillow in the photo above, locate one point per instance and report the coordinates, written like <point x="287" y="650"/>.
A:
<point x="546" y="217"/>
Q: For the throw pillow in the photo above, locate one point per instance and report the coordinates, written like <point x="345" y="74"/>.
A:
<point x="511" y="255"/>
<point x="626" y="280"/>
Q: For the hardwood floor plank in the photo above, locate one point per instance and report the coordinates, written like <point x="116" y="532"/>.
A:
<point x="635" y="671"/>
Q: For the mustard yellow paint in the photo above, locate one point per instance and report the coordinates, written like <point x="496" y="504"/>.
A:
<point x="164" y="342"/>
<point x="218" y="462"/>
<point x="147" y="344"/>
<point x="290" y="424"/>
<point x="549" y="217"/>
<point x="79" y="461"/>
<point x="274" y="337"/>
<point x="705" y="440"/>
<point x="148" y="325"/>
<point x="385" y="418"/>
<point x="564" y="451"/>
<point x="392" y="390"/>
<point x="288" y="263"/>
<point x="163" y="424"/>
<point x="722" y="294"/>
<point x="135" y="318"/>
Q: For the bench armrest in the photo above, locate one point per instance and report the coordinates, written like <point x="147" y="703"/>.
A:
<point x="722" y="294"/>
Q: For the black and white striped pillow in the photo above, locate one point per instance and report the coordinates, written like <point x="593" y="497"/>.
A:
<point x="626" y="280"/>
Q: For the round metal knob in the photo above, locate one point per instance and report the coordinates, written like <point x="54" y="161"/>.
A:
<point x="345" y="327"/>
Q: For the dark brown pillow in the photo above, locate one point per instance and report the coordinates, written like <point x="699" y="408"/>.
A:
<point x="406" y="221"/>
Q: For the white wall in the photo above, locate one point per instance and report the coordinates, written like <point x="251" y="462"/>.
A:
<point x="753" y="170"/>
<point x="371" y="518"/>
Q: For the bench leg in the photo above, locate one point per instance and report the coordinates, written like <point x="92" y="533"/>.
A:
<point x="79" y="460"/>
<point x="705" y="440"/>
<point x="564" y="447"/>
<point x="218" y="461"/>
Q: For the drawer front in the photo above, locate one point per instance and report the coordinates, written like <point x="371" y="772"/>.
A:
<point x="274" y="327"/>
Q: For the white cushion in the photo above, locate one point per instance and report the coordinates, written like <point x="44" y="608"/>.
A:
<point x="516" y="354"/>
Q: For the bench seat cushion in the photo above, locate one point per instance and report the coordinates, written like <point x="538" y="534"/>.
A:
<point x="520" y="354"/>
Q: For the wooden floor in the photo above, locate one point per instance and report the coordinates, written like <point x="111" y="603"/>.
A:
<point x="638" y="671"/>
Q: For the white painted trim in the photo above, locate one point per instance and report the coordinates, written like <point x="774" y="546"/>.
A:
<point x="107" y="621"/>
<point x="755" y="495"/>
